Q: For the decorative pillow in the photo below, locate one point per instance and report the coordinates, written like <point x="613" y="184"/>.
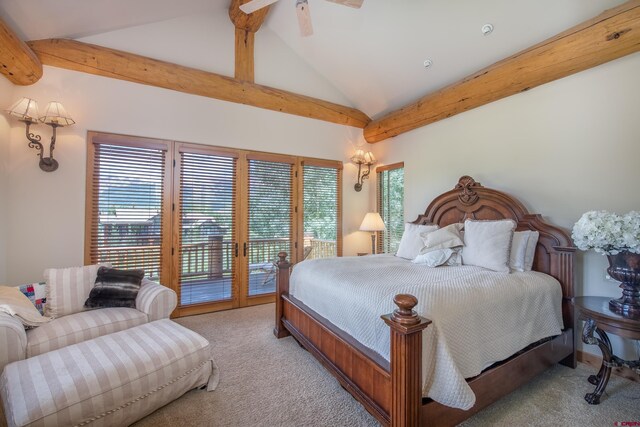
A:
<point x="36" y="292"/>
<point x="69" y="288"/>
<point x="444" y="238"/>
<point x="487" y="244"/>
<point x="115" y="288"/>
<point x="16" y="304"/>
<point x="411" y="242"/>
<point x="531" y="250"/>
<point x="518" y="250"/>
<point x="438" y="257"/>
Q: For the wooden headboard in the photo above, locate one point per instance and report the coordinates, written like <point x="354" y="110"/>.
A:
<point x="470" y="200"/>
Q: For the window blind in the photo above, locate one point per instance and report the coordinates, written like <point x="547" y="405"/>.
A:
<point x="207" y="227"/>
<point x="127" y="207"/>
<point x="207" y="221"/>
<point x="391" y="207"/>
<point x="321" y="211"/>
<point x="269" y="221"/>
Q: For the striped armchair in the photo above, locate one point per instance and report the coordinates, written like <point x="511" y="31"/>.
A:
<point x="153" y="302"/>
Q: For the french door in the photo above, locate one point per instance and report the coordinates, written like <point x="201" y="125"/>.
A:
<point x="234" y="215"/>
<point x="269" y="221"/>
<point x="207" y="221"/>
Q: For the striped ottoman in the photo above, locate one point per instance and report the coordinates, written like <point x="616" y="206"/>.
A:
<point x="112" y="380"/>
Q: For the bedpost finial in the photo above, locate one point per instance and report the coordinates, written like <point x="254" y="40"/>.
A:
<point x="282" y="261"/>
<point x="404" y="314"/>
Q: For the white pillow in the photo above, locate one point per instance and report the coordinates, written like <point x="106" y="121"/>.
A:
<point x="411" y="242"/>
<point x="531" y="250"/>
<point x="16" y="304"/>
<point x="443" y="238"/>
<point x="518" y="250"/>
<point x="69" y="288"/>
<point x="439" y="257"/>
<point x="487" y="244"/>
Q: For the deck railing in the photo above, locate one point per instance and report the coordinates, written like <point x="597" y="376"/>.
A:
<point x="212" y="259"/>
<point x="323" y="249"/>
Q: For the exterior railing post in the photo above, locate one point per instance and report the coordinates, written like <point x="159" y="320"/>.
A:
<point x="406" y="361"/>
<point x="282" y="287"/>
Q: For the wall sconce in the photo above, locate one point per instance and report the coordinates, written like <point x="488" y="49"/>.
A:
<point x="361" y="158"/>
<point x="26" y="110"/>
<point x="372" y="222"/>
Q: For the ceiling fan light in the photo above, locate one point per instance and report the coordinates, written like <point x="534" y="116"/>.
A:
<point x="304" y="18"/>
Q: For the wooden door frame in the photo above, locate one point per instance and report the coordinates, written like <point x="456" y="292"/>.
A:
<point x="210" y="306"/>
<point x="94" y="138"/>
<point x="170" y="264"/>
<point x="249" y="300"/>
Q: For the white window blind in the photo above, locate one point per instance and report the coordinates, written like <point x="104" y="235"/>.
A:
<point x="391" y="208"/>
<point x="207" y="227"/>
<point x="270" y="221"/>
<point x="321" y="211"/>
<point x="127" y="207"/>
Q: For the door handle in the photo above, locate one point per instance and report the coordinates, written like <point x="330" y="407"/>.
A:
<point x="236" y="249"/>
<point x="245" y="248"/>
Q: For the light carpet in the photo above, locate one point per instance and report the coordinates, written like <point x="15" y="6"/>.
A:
<point x="270" y="382"/>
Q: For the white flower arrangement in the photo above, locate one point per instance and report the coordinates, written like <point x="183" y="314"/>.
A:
<point x="608" y="233"/>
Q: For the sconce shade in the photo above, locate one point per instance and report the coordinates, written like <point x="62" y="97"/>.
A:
<point x="358" y="157"/>
<point x="55" y="114"/>
<point x="372" y="222"/>
<point x="369" y="158"/>
<point x="25" y="109"/>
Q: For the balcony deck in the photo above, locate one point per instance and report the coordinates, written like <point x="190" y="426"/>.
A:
<point x="210" y="290"/>
<point x="205" y="267"/>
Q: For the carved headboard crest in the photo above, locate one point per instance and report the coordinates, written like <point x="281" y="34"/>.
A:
<point x="467" y="195"/>
<point x="470" y="200"/>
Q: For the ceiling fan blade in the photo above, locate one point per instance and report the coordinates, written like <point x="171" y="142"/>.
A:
<point x="254" y="5"/>
<point x="304" y="18"/>
<point x="356" y="4"/>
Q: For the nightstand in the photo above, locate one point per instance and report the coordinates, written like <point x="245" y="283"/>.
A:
<point x="600" y="320"/>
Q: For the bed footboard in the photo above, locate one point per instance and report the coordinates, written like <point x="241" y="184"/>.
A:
<point x="392" y="393"/>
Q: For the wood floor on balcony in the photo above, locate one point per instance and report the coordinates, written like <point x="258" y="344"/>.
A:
<point x="209" y="290"/>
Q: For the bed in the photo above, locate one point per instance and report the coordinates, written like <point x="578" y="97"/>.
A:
<point x="390" y="371"/>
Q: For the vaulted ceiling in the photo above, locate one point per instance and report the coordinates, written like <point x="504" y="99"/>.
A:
<point x="373" y="55"/>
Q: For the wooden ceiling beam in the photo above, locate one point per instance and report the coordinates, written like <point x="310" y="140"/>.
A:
<point x="246" y="28"/>
<point x="102" y="61"/>
<point x="611" y="35"/>
<point x="244" y="54"/>
<point x="251" y="22"/>
<point x="18" y="63"/>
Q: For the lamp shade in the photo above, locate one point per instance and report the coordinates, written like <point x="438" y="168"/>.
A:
<point x="25" y="109"/>
<point x="358" y="157"/>
<point x="372" y="222"/>
<point x="55" y="114"/>
<point x="369" y="158"/>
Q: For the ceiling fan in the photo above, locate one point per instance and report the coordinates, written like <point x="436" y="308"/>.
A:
<point x="302" y="9"/>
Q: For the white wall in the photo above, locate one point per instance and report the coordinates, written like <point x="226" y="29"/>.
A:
<point x="563" y="148"/>
<point x="46" y="210"/>
<point x="6" y="98"/>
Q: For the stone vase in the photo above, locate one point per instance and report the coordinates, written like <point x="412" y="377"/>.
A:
<point x="625" y="268"/>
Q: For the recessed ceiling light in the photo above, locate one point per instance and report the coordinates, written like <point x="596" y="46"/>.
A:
<point x="487" y="29"/>
<point x="428" y="63"/>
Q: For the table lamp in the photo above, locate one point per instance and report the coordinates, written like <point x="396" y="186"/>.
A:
<point x="372" y="222"/>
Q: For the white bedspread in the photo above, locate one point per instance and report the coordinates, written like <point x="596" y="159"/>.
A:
<point x="479" y="316"/>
